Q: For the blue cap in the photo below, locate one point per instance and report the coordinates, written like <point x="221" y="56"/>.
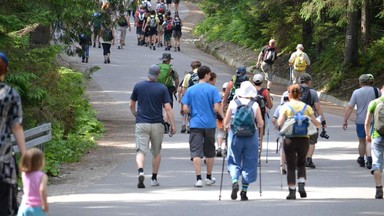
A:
<point x="4" y="58"/>
<point x="241" y="71"/>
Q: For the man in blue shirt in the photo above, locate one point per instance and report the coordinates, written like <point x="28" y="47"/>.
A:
<point x="202" y="101"/>
<point x="151" y="96"/>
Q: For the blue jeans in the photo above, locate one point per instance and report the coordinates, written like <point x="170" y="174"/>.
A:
<point x="85" y="49"/>
<point x="377" y="149"/>
<point x="243" y="157"/>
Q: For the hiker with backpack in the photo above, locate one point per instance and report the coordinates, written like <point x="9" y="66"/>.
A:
<point x="243" y="144"/>
<point x="264" y="100"/>
<point x="233" y="84"/>
<point x="202" y="102"/>
<point x="177" y="25"/>
<point x="151" y="97"/>
<point x="122" y="24"/>
<point x="375" y="135"/>
<point x="309" y="96"/>
<point x="168" y="29"/>
<point x="168" y="75"/>
<point x="190" y="79"/>
<point x="107" y="40"/>
<point x="220" y="130"/>
<point x="151" y="26"/>
<point x="160" y="28"/>
<point x="161" y="6"/>
<point x="96" y="23"/>
<point x="361" y="98"/>
<point x="265" y="61"/>
<point x="296" y="143"/>
<point x="85" y="41"/>
<point x="299" y="61"/>
<point x="139" y="24"/>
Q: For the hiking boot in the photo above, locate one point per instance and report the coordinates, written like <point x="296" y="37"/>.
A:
<point x="94" y="44"/>
<point x="109" y="60"/>
<point x="82" y="60"/>
<point x="368" y="164"/>
<point x="360" y="161"/>
<point x="154" y="182"/>
<point x="379" y="192"/>
<point x="210" y="182"/>
<point x="199" y="183"/>
<point x="302" y="191"/>
<point x="309" y="163"/>
<point x="118" y="47"/>
<point x="235" y="189"/>
<point x="86" y="60"/>
<point x="292" y="194"/>
<point x="141" y="181"/>
<point x="183" y="129"/>
<point x="218" y="152"/>
<point x="243" y="196"/>
<point x="99" y="45"/>
<point x="178" y="49"/>
<point x="154" y="47"/>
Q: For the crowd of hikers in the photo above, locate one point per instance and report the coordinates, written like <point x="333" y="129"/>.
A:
<point x="230" y="124"/>
<point x="154" y="24"/>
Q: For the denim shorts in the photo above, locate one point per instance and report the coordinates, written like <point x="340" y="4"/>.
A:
<point x="360" y="130"/>
<point x="377" y="149"/>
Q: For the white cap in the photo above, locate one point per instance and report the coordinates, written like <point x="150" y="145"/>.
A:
<point x="258" y="78"/>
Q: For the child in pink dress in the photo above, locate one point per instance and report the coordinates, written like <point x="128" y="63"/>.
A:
<point x="34" y="201"/>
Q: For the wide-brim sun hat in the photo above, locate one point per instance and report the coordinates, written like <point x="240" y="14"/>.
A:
<point x="246" y="90"/>
<point x="166" y="56"/>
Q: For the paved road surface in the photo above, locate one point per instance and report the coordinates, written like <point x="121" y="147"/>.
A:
<point x="336" y="187"/>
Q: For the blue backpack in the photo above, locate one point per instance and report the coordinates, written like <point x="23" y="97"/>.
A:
<point x="243" y="123"/>
<point x="300" y="127"/>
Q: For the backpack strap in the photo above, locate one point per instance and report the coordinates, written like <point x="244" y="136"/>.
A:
<point x="302" y="111"/>
<point x="238" y="102"/>
<point x="376" y="92"/>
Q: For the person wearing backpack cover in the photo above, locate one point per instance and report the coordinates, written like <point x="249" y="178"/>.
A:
<point x="242" y="120"/>
<point x="296" y="145"/>
<point x="299" y="61"/>
<point x="375" y="135"/>
<point x="233" y="84"/>
<point x="310" y="97"/>
<point x="177" y="25"/>
<point x="202" y="102"/>
<point x="151" y="26"/>
<point x="264" y="100"/>
<point x="265" y="61"/>
<point x="189" y="80"/>
<point x="361" y="98"/>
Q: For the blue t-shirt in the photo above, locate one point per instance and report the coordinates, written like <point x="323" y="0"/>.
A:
<point x="200" y="98"/>
<point x="150" y="97"/>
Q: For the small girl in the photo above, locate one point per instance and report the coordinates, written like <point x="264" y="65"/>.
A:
<point x="34" y="201"/>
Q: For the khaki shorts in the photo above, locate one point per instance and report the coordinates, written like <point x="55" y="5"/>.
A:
<point x="267" y="70"/>
<point x="145" y="133"/>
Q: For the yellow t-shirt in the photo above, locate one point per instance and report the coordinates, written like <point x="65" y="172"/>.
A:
<point x="297" y="106"/>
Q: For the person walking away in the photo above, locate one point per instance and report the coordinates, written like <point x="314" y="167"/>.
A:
<point x="10" y="123"/>
<point x="202" y="101"/>
<point x="233" y="84"/>
<point x="361" y="98"/>
<point x="160" y="28"/>
<point x="139" y="21"/>
<point x="131" y="6"/>
<point x="152" y="24"/>
<point x="123" y="23"/>
<point x="283" y="162"/>
<point x="34" y="200"/>
<point x="107" y="40"/>
<point x="151" y="96"/>
<point x="220" y="132"/>
<point x="177" y="25"/>
<point x="265" y="61"/>
<point x="85" y="42"/>
<point x="169" y="3"/>
<point x="176" y="5"/>
<point x="296" y="145"/>
<point x="264" y="100"/>
<point x="376" y="112"/>
<point x="190" y="79"/>
<point x="168" y="75"/>
<point x="162" y="6"/>
<point x="299" y="61"/>
<point x="96" y="22"/>
<point x="243" y="149"/>
<point x="168" y="29"/>
<point x="309" y="96"/>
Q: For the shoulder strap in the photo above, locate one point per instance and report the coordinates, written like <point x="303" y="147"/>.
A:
<point x="238" y="102"/>
<point x="294" y="112"/>
<point x="303" y="110"/>
<point x="250" y="103"/>
<point x="376" y="92"/>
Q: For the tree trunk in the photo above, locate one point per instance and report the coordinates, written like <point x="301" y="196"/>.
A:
<point x="365" y="26"/>
<point x="351" y="55"/>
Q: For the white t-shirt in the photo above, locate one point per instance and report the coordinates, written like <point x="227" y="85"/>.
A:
<point x="233" y="106"/>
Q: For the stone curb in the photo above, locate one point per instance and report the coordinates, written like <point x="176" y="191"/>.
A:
<point x="202" y="45"/>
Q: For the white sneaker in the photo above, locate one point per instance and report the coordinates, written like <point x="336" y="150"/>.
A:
<point x="199" y="183"/>
<point x="209" y="182"/>
<point x="154" y="182"/>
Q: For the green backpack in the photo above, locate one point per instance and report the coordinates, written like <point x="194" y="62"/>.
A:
<point x="379" y="117"/>
<point x="243" y="123"/>
<point x="165" y="76"/>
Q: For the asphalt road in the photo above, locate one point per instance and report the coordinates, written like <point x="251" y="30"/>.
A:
<point x="336" y="187"/>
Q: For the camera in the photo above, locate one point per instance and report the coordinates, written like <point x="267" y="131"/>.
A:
<point x="324" y="134"/>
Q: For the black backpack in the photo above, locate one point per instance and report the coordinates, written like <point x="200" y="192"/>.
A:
<point x="269" y="55"/>
<point x="161" y="18"/>
<point x="193" y="79"/>
<point x="107" y="35"/>
<point x="262" y="101"/>
<point x="236" y="81"/>
<point x="306" y="96"/>
<point x="177" y="24"/>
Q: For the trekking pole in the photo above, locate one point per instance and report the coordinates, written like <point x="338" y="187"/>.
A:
<point x="222" y="167"/>
<point x="259" y="163"/>
<point x="269" y="122"/>
<point x="290" y="76"/>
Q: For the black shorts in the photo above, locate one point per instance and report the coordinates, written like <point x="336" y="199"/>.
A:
<point x="152" y="31"/>
<point x="176" y="1"/>
<point x="177" y="33"/>
<point x="169" y="1"/>
<point x="202" y="142"/>
<point x="139" y="30"/>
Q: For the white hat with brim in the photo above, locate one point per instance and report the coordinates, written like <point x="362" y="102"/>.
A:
<point x="246" y="90"/>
